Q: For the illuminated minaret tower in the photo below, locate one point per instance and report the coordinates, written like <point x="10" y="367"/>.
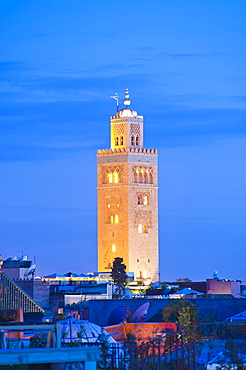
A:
<point x="127" y="177"/>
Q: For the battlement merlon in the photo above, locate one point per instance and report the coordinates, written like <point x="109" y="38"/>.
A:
<point x="138" y="119"/>
<point x="103" y="152"/>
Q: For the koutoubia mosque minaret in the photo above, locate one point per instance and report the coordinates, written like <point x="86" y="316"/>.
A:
<point x="127" y="177"/>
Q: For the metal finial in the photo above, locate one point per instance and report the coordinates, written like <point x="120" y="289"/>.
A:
<point x="127" y="101"/>
<point x="116" y="98"/>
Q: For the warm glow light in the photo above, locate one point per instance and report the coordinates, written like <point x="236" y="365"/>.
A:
<point x="110" y="178"/>
<point x="112" y="219"/>
<point x="118" y="205"/>
<point x="145" y="275"/>
<point x="116" y="177"/>
<point x="109" y="205"/>
<point x="142" y="170"/>
<point x="113" y="248"/>
<point x="145" y="200"/>
<point x="140" y="228"/>
<point x="137" y="170"/>
<point x="116" y="219"/>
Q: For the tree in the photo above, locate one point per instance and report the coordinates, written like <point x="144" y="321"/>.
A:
<point x="184" y="313"/>
<point x="119" y="276"/>
<point x="181" y="311"/>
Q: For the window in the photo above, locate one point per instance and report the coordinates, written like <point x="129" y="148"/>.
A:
<point x="137" y="141"/>
<point x="112" y="175"/>
<point x="117" y="141"/>
<point x="139" y="199"/>
<point x="121" y="140"/>
<point x="137" y="260"/>
<point x="132" y="140"/>
<point x="113" y="248"/>
<point x="146" y="200"/>
<point x="116" y="177"/>
<point x="142" y="229"/>
<point x="145" y="229"/>
<point x="114" y="219"/>
<point x="110" y="178"/>
<point x="148" y="260"/>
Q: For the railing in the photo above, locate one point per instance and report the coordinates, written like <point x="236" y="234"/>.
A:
<point x="174" y="351"/>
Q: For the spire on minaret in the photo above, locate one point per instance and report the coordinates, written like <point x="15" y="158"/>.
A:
<point x="127" y="101"/>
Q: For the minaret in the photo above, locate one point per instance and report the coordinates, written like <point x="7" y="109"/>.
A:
<point x="128" y="198"/>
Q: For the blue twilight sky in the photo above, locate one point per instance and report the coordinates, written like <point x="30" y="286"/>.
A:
<point x="184" y="63"/>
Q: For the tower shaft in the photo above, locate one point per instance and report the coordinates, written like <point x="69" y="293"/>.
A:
<point x="128" y="199"/>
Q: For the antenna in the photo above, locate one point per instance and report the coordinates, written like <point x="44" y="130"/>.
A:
<point x="116" y="98"/>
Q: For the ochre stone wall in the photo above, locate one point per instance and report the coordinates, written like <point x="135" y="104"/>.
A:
<point x="128" y="199"/>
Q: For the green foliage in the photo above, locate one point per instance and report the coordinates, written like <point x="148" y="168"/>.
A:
<point x="181" y="311"/>
<point x="38" y="341"/>
<point x="119" y="276"/>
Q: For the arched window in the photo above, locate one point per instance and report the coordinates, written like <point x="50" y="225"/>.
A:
<point x="113" y="248"/>
<point x="116" y="177"/>
<point x="132" y="140"/>
<point x="150" y="178"/>
<point x="116" y="140"/>
<point x="121" y="140"/>
<point x="139" y="199"/>
<point x="110" y="177"/>
<point x="146" y="200"/>
<point x="137" y="141"/>
<point x="146" y="178"/>
<point x="114" y="219"/>
<point x="140" y="228"/>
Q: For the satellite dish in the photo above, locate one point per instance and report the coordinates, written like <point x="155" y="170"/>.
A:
<point x="140" y="313"/>
<point x="119" y="315"/>
<point x="30" y="270"/>
<point x="23" y="258"/>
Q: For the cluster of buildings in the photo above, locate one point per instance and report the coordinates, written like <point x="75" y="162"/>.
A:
<point x="127" y="181"/>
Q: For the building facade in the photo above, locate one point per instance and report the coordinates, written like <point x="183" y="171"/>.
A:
<point x="127" y="177"/>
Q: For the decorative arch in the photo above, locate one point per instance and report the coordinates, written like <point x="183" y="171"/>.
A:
<point x="139" y="198"/>
<point x="132" y="140"/>
<point x="146" y="199"/>
<point x="112" y="175"/>
<point x="143" y="218"/>
<point x="143" y="175"/>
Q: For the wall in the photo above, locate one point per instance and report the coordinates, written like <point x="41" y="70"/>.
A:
<point x="219" y="308"/>
<point x="223" y="287"/>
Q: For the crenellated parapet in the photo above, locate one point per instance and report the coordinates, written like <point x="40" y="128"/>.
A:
<point x="129" y="150"/>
